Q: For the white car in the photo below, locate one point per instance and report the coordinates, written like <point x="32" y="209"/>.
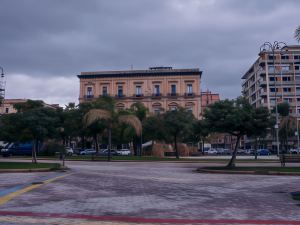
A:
<point x="212" y="151"/>
<point x="294" y="151"/>
<point x="123" y="151"/>
<point x="89" y="151"/>
<point x="69" y="151"/>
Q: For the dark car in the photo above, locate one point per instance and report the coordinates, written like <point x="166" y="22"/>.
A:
<point x="263" y="152"/>
<point x="17" y="149"/>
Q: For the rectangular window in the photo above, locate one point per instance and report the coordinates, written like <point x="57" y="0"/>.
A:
<point x="272" y="100"/>
<point x="285" y="68"/>
<point x="286" y="78"/>
<point x="271" y="57"/>
<point x="284" y="57"/>
<point x="6" y="110"/>
<point x="298" y="90"/>
<point x="286" y="89"/>
<point x="271" y="69"/>
<point x="104" y="91"/>
<point x="89" y="92"/>
<point x="296" y="56"/>
<point x="272" y="89"/>
<point x="298" y="99"/>
<point x="138" y="91"/>
<point x="189" y="88"/>
<point x="272" y="78"/>
<point x="297" y="67"/>
<point x="120" y="91"/>
<point x="156" y="90"/>
<point x="173" y="89"/>
<point x="288" y="100"/>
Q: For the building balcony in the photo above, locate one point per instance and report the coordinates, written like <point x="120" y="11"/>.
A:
<point x="138" y="96"/>
<point x="262" y="83"/>
<point x="120" y="96"/>
<point x="88" y="96"/>
<point x="189" y="95"/>
<point x="173" y="95"/>
<point x="156" y="95"/>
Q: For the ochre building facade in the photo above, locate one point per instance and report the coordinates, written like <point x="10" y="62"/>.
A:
<point x="160" y="89"/>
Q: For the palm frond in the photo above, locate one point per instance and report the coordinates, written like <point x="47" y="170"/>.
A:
<point x="133" y="121"/>
<point x="297" y="34"/>
<point x="95" y="114"/>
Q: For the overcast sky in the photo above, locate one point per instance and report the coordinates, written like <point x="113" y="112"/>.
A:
<point x="44" y="44"/>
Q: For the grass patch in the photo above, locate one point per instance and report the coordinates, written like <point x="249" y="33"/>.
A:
<point x="28" y="165"/>
<point x="257" y="169"/>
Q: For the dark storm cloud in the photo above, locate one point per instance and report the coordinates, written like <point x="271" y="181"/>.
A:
<point x="52" y="39"/>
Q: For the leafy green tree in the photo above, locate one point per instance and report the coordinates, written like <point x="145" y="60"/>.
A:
<point x="297" y="34"/>
<point x="201" y="131"/>
<point x="178" y="124"/>
<point x="236" y="117"/>
<point x="32" y="122"/>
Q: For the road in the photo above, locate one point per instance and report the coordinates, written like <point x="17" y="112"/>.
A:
<point x="146" y="193"/>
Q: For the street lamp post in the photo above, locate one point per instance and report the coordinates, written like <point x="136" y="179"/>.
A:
<point x="2" y="87"/>
<point x="275" y="47"/>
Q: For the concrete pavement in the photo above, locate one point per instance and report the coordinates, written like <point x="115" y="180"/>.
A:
<point x="150" y="193"/>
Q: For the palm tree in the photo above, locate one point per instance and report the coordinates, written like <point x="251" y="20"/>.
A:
<point x="288" y="125"/>
<point x="297" y="34"/>
<point x="111" y="117"/>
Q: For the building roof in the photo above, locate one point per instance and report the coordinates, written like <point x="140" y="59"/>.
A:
<point x="152" y="71"/>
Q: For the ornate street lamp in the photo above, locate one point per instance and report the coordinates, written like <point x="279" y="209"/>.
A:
<point x="276" y="47"/>
<point x="2" y="86"/>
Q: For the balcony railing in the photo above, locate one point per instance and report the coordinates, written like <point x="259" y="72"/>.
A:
<point x="138" y="96"/>
<point x="189" y="95"/>
<point x="156" y="95"/>
<point x="88" y="96"/>
<point x="120" y="96"/>
<point x="174" y="95"/>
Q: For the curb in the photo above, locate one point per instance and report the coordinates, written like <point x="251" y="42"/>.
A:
<point x="32" y="170"/>
<point x="249" y="172"/>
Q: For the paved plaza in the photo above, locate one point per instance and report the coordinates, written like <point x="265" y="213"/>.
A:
<point x="146" y="193"/>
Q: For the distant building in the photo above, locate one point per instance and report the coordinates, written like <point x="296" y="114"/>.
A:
<point x="263" y="85"/>
<point x="158" y="88"/>
<point x="208" y="98"/>
<point x="8" y="105"/>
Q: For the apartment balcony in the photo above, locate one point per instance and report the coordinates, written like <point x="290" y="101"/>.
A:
<point x="262" y="83"/>
<point x="263" y="93"/>
<point x="173" y="95"/>
<point x="88" y="97"/>
<point x="137" y="96"/>
<point x="189" y="95"/>
<point x="120" y="96"/>
<point x="156" y="96"/>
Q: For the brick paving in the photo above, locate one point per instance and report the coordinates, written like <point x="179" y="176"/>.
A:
<point x="155" y="190"/>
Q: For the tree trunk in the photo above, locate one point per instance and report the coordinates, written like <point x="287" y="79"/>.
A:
<point x="109" y="144"/>
<point x="231" y="163"/>
<point x="255" y="148"/>
<point x="34" y="160"/>
<point x="176" y="150"/>
<point x="96" y="143"/>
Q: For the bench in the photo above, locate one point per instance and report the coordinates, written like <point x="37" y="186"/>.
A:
<point x="289" y="158"/>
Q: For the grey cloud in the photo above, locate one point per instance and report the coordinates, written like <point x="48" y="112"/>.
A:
<point x="54" y="38"/>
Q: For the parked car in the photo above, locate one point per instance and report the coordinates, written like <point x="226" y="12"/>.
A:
<point x="105" y="152"/>
<point x="17" y="148"/>
<point x="88" y="151"/>
<point x="69" y="151"/>
<point x="212" y="151"/>
<point x="77" y="150"/>
<point x="241" y="152"/>
<point x="263" y="152"/>
<point x="294" y="151"/>
<point x="123" y="151"/>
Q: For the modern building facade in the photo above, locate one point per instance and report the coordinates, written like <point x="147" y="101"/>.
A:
<point x="264" y="84"/>
<point x="158" y="88"/>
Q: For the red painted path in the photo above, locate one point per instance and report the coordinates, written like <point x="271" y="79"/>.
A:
<point x="146" y="220"/>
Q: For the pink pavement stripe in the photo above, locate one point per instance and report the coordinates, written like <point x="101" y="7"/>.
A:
<point x="146" y="220"/>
